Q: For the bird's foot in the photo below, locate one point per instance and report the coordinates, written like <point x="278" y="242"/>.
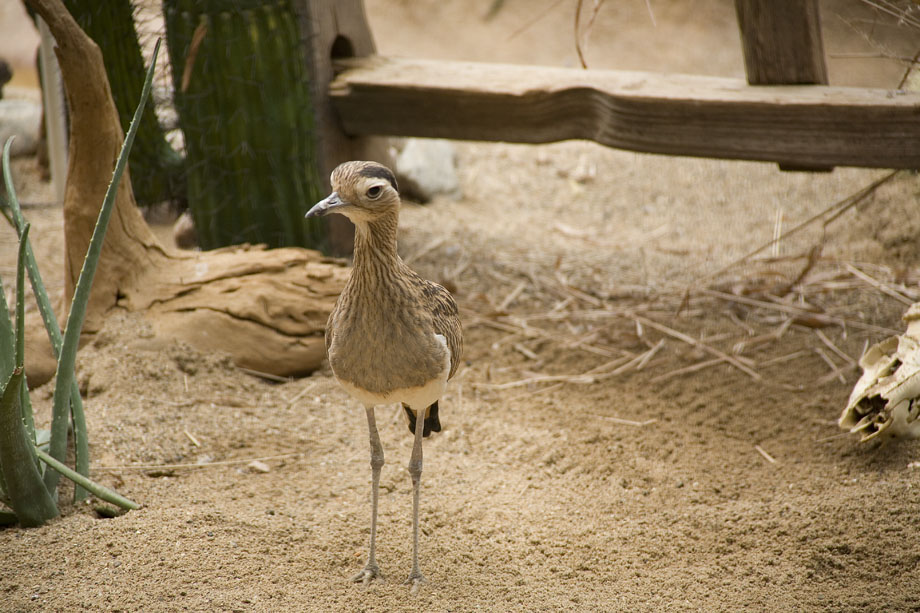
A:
<point x="367" y="576"/>
<point x="415" y="581"/>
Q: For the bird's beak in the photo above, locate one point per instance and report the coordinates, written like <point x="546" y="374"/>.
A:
<point x="327" y="205"/>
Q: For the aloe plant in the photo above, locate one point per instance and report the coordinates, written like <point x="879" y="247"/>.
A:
<point x="15" y="217"/>
<point x="24" y="490"/>
<point x="26" y="485"/>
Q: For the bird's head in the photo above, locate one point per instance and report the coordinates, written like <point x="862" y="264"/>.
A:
<point x="361" y="191"/>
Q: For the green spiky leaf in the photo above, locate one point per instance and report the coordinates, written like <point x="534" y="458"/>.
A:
<point x="100" y="491"/>
<point x="27" y="494"/>
<point x="25" y="406"/>
<point x="81" y="446"/>
<point x="19" y="222"/>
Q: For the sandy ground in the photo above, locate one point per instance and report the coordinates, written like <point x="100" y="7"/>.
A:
<point x="639" y="489"/>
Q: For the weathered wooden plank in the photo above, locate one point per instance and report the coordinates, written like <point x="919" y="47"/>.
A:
<point x="781" y="41"/>
<point x="802" y="125"/>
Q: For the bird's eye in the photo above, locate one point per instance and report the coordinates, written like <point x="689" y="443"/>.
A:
<point x="374" y="192"/>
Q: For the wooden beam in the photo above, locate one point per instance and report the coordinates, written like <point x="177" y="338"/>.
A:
<point x="802" y="125"/>
<point x="781" y="41"/>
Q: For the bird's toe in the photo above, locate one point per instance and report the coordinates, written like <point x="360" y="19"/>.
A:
<point x="415" y="581"/>
<point x="370" y="574"/>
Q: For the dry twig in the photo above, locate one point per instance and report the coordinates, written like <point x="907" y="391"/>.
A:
<point x="625" y="422"/>
<point x="885" y="6"/>
<point x="582" y="379"/>
<point x="511" y="297"/>
<point x="264" y="375"/>
<point x="196" y="465"/>
<point x="535" y="19"/>
<point x="765" y="455"/>
<point x="694" y="342"/>
<point x="820" y="318"/>
<point x="836" y="374"/>
<point x="192" y="438"/>
<point x="835" y="348"/>
<point x="835" y="370"/>
<point x="309" y="386"/>
<point x="525" y="351"/>
<point x="688" y="369"/>
<point x="594" y="12"/>
<point x="832" y="212"/>
<point x="649" y="354"/>
<point x="910" y="68"/>
<point x="879" y="285"/>
<point x="784" y="358"/>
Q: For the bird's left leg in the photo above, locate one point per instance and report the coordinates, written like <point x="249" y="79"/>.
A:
<point x="371" y="571"/>
<point x="415" y="578"/>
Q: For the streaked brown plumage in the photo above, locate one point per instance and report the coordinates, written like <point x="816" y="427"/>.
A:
<point x="392" y="335"/>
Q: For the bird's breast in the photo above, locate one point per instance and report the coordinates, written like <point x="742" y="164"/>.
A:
<point x="383" y="352"/>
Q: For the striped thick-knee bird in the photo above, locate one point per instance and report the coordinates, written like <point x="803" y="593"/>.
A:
<point x="392" y="336"/>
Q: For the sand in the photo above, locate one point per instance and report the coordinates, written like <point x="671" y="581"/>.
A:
<point x="644" y="490"/>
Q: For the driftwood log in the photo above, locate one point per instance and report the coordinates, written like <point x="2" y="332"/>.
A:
<point x="265" y="308"/>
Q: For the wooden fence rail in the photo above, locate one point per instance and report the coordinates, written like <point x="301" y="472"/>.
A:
<point x="795" y="125"/>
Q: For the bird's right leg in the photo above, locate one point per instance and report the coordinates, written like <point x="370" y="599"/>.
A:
<point x="371" y="571"/>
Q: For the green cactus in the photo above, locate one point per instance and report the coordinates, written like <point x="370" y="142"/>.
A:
<point x="244" y="105"/>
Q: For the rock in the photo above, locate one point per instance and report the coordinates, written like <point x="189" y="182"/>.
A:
<point x="426" y="168"/>
<point x="585" y="171"/>
<point x="257" y="466"/>
<point x="20" y="118"/>
<point x="184" y="232"/>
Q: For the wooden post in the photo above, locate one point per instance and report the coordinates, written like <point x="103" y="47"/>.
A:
<point x="333" y="30"/>
<point x="55" y="110"/>
<point x="782" y="45"/>
<point x="781" y="40"/>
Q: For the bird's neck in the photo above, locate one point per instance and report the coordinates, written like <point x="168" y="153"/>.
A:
<point x="375" y="243"/>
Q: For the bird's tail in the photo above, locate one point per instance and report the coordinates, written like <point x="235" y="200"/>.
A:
<point x="432" y="423"/>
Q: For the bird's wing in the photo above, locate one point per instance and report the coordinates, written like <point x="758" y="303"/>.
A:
<point x="446" y="320"/>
